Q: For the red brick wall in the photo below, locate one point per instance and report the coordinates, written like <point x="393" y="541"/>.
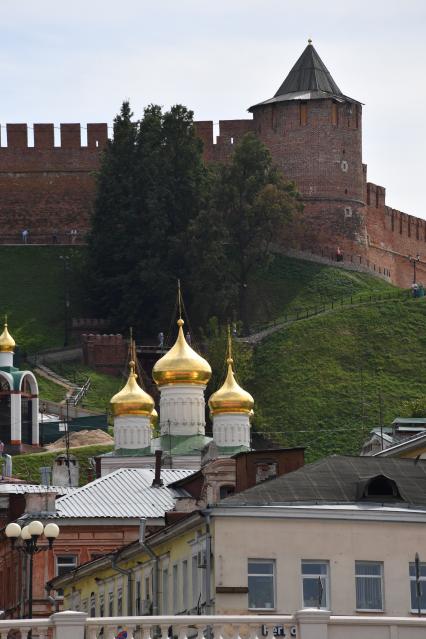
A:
<point x="106" y="353"/>
<point x="46" y="188"/>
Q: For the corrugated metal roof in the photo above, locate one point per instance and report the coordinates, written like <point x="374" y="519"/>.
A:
<point x="124" y="493"/>
<point x="23" y="489"/>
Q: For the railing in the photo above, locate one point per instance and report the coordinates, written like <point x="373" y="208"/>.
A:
<point x="61" y="239"/>
<point x="80" y="393"/>
<point x="357" y="299"/>
<point x="309" y="623"/>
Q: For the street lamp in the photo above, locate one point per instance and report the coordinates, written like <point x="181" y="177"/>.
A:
<point x="29" y="536"/>
<point x="414" y="261"/>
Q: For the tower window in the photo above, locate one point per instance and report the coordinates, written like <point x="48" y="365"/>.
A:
<point x="348" y="211"/>
<point x="303" y="113"/>
<point x="334" y="114"/>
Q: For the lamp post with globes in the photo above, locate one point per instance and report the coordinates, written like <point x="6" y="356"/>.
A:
<point x="29" y="536"/>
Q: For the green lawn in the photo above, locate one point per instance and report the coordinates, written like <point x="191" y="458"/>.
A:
<point x="28" y="466"/>
<point x="290" y="284"/>
<point x="32" y="292"/>
<point x="318" y="383"/>
<point x="102" y="387"/>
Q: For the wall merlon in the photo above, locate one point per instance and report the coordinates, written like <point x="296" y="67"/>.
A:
<point x="44" y="136"/>
<point x="97" y="135"/>
<point x="17" y="136"/>
<point x="70" y="136"/>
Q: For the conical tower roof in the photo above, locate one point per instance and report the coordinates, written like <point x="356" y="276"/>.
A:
<point x="309" y="74"/>
<point x="309" y="79"/>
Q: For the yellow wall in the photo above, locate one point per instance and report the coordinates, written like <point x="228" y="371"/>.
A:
<point x="183" y="546"/>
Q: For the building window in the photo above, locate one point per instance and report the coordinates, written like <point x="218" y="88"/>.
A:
<point x="369" y="585"/>
<point x="92" y="604"/>
<point x="195" y="593"/>
<point x="64" y="564"/>
<point x="138" y="598"/>
<point x="175" y="590"/>
<point x="102" y="605"/>
<point x="315" y="584"/>
<point x="334" y="114"/>
<point x="110" y="604"/>
<point x="185" y="584"/>
<point x="261" y="584"/>
<point x="165" y="591"/>
<point x="348" y="211"/>
<point x="119" y="602"/>
<point x="225" y="491"/>
<point x="303" y="113"/>
<point x="413" y="587"/>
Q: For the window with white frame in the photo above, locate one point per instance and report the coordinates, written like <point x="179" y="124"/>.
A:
<point x="369" y="585"/>
<point x="185" y="584"/>
<point x="175" y="589"/>
<point x="195" y="593"/>
<point x="101" y="604"/>
<point x="138" y="597"/>
<point x="120" y="601"/>
<point x="64" y="564"/>
<point x="315" y="584"/>
<point x="111" y="603"/>
<point x="165" y="591"/>
<point x="413" y="587"/>
<point x="261" y="584"/>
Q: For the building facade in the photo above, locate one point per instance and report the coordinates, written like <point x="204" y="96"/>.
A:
<point x="339" y="535"/>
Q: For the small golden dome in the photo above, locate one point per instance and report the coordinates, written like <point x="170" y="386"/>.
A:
<point x="181" y="365"/>
<point x="7" y="343"/>
<point x="132" y="399"/>
<point x="231" y="398"/>
<point x="154" y="418"/>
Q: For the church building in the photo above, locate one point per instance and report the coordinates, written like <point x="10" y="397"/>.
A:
<point x="18" y="400"/>
<point x="181" y="376"/>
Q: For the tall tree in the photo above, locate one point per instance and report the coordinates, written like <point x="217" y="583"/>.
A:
<point x="108" y="239"/>
<point x="149" y="189"/>
<point x="250" y="207"/>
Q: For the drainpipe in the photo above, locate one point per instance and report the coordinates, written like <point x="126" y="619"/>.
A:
<point x="206" y="515"/>
<point x="154" y="558"/>
<point x="129" y="573"/>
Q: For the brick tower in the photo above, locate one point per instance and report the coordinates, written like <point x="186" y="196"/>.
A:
<point x="313" y="132"/>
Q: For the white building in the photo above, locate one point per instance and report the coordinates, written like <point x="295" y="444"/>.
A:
<point x="181" y="376"/>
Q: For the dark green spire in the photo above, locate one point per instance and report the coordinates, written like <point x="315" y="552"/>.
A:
<point x="309" y="74"/>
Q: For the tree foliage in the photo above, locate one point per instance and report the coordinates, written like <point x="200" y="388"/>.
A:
<point x="161" y="214"/>
<point x="250" y="207"/>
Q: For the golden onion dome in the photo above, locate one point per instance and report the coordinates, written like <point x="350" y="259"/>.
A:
<point x="132" y="399"/>
<point x="231" y="398"/>
<point x="181" y="364"/>
<point x="7" y="343"/>
<point x="153" y="418"/>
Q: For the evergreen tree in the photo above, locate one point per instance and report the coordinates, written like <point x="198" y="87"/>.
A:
<point x="149" y="190"/>
<point x="108" y="240"/>
<point x="251" y="204"/>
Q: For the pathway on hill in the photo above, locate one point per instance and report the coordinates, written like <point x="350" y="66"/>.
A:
<point x="255" y="338"/>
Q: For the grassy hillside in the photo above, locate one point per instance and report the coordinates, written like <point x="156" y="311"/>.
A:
<point x="28" y="466"/>
<point x="289" y="284"/>
<point x="32" y="292"/>
<point x="319" y="383"/>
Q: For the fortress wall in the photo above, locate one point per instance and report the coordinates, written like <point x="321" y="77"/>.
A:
<point x="46" y="188"/>
<point x="394" y="236"/>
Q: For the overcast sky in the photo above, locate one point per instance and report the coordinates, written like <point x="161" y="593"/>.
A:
<point x="76" y="62"/>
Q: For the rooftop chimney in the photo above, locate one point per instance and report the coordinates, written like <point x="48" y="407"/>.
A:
<point x="157" y="481"/>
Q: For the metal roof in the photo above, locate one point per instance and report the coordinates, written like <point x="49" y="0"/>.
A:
<point x="409" y="420"/>
<point x="124" y="493"/>
<point x="336" y="479"/>
<point x="309" y="79"/>
<point x="23" y="489"/>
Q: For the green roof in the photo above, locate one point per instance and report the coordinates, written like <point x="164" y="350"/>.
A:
<point x="183" y="444"/>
